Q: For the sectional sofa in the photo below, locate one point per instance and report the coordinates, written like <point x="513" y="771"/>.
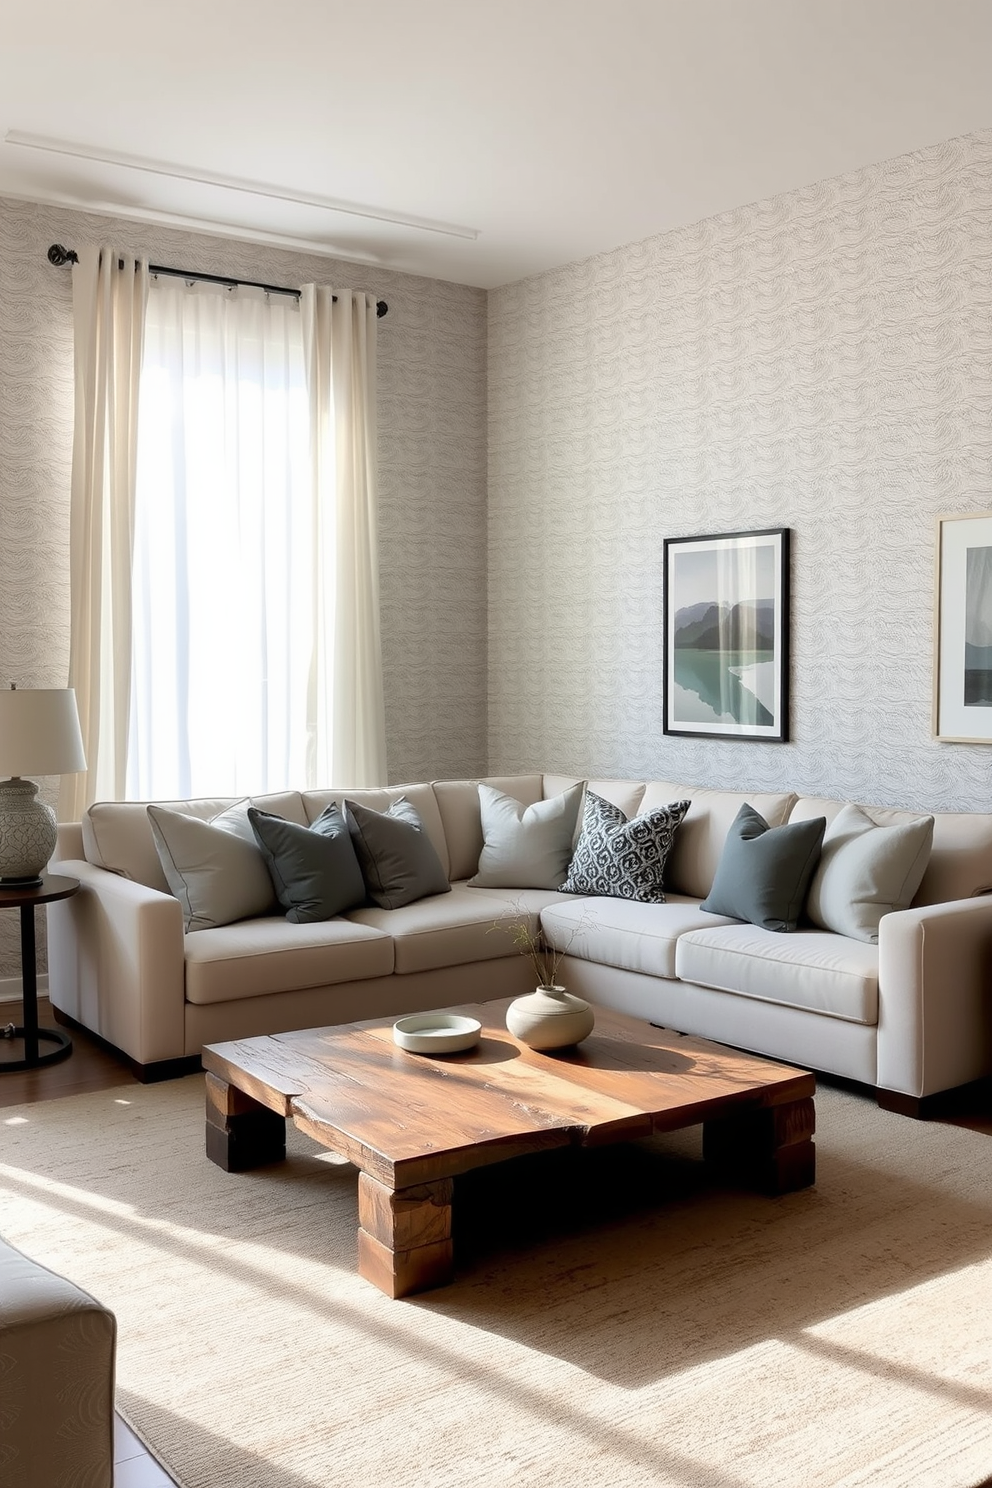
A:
<point x="910" y="1015"/>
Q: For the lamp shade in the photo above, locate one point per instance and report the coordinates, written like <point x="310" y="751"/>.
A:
<point x="39" y="732"/>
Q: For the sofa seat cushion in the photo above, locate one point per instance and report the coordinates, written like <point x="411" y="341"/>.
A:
<point x="623" y="932"/>
<point x="258" y="957"/>
<point x="810" y="969"/>
<point x="450" y="929"/>
<point x="520" y="902"/>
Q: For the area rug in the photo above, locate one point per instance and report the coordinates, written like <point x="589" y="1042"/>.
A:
<point x="619" y="1318"/>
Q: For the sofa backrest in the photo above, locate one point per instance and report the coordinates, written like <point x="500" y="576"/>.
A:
<point x="461" y="815"/>
<point x="623" y="793"/>
<point x="961" y="859"/>
<point x="421" y="798"/>
<point x="117" y="835"/>
<point x="699" y="841"/>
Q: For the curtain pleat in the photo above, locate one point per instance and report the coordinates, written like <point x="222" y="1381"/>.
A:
<point x="109" y="293"/>
<point x="346" y="714"/>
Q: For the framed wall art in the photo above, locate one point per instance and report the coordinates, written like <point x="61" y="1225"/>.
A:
<point x="962" y="688"/>
<point x="727" y="635"/>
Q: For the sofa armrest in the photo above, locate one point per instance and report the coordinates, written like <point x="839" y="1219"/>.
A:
<point x="935" y="996"/>
<point x="116" y="962"/>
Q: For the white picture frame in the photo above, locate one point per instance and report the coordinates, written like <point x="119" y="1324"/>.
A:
<point x="962" y="672"/>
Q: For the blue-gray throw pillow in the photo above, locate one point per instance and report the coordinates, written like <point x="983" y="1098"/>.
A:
<point x="399" y="862"/>
<point x="623" y="858"/>
<point x="764" y="872"/>
<point x="314" y="870"/>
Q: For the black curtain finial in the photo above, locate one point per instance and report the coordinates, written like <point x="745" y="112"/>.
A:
<point x="58" y="255"/>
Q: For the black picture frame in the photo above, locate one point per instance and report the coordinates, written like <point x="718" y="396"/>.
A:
<point x="726" y="636"/>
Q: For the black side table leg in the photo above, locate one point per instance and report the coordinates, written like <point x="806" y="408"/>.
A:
<point x="29" y="983"/>
<point x="26" y="898"/>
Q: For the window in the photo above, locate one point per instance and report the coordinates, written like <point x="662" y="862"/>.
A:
<point x="222" y="579"/>
<point x="223" y="553"/>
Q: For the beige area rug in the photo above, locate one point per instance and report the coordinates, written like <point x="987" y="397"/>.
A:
<point x="618" y="1320"/>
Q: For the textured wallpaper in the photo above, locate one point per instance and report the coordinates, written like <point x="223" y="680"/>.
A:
<point x="820" y="361"/>
<point x="432" y="472"/>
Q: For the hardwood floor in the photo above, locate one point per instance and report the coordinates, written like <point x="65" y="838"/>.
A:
<point x="89" y="1067"/>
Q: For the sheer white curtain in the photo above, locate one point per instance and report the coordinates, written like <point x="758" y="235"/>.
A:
<point x="250" y="548"/>
<point x="347" y="732"/>
<point x="109" y="290"/>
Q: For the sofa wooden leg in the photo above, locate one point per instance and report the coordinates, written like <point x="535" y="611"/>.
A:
<point x="902" y="1104"/>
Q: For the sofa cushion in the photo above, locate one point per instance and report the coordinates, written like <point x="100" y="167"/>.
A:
<point x="451" y="929"/>
<point x="117" y="834"/>
<point x="379" y="798"/>
<point x="764" y="871"/>
<point x="695" y="854"/>
<point x="461" y="815"/>
<point x="398" y="861"/>
<point x="526" y="846"/>
<point x="257" y="958"/>
<point x="619" y="857"/>
<point x="866" y="871"/>
<point x="215" y="868"/>
<point x="623" y="932"/>
<point x="960" y="865"/>
<point x="812" y="969"/>
<point x="314" y="870"/>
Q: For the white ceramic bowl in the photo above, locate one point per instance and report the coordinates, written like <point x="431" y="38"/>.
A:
<point x="436" y="1033"/>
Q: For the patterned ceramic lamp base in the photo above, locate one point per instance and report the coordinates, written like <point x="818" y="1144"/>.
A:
<point x="27" y="833"/>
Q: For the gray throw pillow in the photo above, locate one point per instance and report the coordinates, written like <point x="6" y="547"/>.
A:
<point x="867" y="871"/>
<point x="764" y="871"/>
<point x="314" y="869"/>
<point x="526" y="847"/>
<point x="214" y="868"/>
<point x="398" y="860"/>
<point x="621" y="858"/>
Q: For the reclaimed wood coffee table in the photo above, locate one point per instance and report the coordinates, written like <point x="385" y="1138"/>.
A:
<point x="411" y="1123"/>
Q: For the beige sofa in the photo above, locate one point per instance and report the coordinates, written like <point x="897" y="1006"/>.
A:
<point x="910" y="1015"/>
<point x="57" y="1358"/>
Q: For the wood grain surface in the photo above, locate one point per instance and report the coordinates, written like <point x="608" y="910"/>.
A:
<point x="412" y="1122"/>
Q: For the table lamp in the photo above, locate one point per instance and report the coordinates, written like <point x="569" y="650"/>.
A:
<point x="39" y="732"/>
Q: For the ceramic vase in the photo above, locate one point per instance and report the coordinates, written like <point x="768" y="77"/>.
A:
<point x="549" y="1018"/>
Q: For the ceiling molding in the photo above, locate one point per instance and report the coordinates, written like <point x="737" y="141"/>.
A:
<point x="76" y="151"/>
<point x="204" y="225"/>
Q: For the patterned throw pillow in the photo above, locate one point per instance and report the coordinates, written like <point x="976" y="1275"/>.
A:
<point x="623" y="859"/>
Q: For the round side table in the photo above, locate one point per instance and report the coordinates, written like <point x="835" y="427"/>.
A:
<point x="26" y="898"/>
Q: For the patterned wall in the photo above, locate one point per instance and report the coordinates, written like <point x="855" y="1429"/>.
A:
<point x="820" y="361"/>
<point x="432" y="472"/>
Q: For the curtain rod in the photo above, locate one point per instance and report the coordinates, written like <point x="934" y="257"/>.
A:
<point x="59" y="256"/>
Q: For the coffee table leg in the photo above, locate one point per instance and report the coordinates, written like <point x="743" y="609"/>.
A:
<point x="241" y="1133"/>
<point x="404" y="1237"/>
<point x="771" y="1148"/>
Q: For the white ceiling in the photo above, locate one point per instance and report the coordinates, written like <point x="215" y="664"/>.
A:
<point x="507" y="136"/>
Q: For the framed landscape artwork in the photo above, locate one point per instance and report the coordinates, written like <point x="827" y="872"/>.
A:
<point x="727" y="635"/>
<point x="962" y="693"/>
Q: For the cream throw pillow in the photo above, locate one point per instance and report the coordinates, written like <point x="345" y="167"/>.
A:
<point x="526" y="847"/>
<point x="214" y="868"/>
<point x="866" y="871"/>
